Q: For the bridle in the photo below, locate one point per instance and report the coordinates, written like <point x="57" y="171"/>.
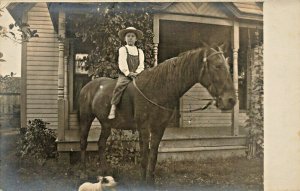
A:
<point x="205" y="66"/>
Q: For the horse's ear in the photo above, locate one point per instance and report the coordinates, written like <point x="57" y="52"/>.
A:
<point x="203" y="43"/>
<point x="227" y="59"/>
<point x="221" y="47"/>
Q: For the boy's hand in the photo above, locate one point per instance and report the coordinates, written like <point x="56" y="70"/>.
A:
<point x="132" y="75"/>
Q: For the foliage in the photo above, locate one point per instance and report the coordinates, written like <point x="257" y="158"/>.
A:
<point x="37" y="141"/>
<point x="256" y="111"/>
<point x="121" y="146"/>
<point x="9" y="83"/>
<point x="100" y="29"/>
<point x="18" y="32"/>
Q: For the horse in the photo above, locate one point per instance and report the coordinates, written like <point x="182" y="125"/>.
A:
<point x="148" y="104"/>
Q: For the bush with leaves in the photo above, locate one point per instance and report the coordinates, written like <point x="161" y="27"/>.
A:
<point x="99" y="28"/>
<point x="37" y="141"/>
<point x="256" y="111"/>
<point x="122" y="147"/>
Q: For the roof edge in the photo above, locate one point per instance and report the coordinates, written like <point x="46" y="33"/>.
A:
<point x="16" y="10"/>
<point x="238" y="14"/>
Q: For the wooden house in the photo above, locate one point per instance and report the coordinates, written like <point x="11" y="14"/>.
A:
<point x="50" y="72"/>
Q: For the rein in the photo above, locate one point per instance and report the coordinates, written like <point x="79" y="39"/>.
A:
<point x="168" y="109"/>
<point x="190" y="110"/>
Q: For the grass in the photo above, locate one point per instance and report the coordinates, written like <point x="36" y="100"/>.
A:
<point x="211" y="174"/>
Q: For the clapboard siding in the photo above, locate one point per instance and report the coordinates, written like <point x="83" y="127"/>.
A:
<point x="42" y="65"/>
<point x="42" y="49"/>
<point x="41" y="92"/>
<point x="45" y="106"/>
<point x="37" y="14"/>
<point x="52" y="63"/>
<point x="42" y="44"/>
<point x="39" y="53"/>
<point x="31" y="77"/>
<point x="42" y="82"/>
<point x="43" y="39"/>
<point x="43" y="101"/>
<point x="42" y="115"/>
<point x="42" y="97"/>
<point x="40" y="22"/>
<point x="42" y="58"/>
<point x="42" y="73"/>
<point x="42" y="68"/>
<point x="41" y="87"/>
<point x="35" y="18"/>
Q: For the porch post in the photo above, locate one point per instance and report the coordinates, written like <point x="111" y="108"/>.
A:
<point x="156" y="37"/>
<point x="66" y="92"/>
<point x="235" y="47"/>
<point x="61" y="101"/>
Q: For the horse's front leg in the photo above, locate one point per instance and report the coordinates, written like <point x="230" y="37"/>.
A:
<point x="85" y="125"/>
<point x="154" y="140"/>
<point x="144" y="150"/>
<point x="105" y="133"/>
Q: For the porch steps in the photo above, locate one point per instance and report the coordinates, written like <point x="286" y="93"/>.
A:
<point x="200" y="143"/>
<point x="177" y="143"/>
<point x="168" y="145"/>
<point x="199" y="153"/>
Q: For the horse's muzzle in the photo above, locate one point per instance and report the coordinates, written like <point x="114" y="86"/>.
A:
<point x="225" y="103"/>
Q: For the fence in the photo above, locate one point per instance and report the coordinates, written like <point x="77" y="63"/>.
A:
<point x="9" y="110"/>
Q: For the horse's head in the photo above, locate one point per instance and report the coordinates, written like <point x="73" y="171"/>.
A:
<point x="215" y="76"/>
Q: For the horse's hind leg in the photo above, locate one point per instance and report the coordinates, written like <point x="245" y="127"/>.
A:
<point x="105" y="133"/>
<point x="85" y="125"/>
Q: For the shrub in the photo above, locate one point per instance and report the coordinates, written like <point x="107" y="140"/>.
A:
<point x="37" y="141"/>
<point x="121" y="147"/>
<point x="256" y="111"/>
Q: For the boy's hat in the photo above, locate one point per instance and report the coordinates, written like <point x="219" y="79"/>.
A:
<point x="123" y="32"/>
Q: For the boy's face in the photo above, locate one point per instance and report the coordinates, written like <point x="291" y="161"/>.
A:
<point x="130" y="38"/>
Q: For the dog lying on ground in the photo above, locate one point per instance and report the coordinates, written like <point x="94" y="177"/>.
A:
<point x="105" y="183"/>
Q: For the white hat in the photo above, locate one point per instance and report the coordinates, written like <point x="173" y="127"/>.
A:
<point x="123" y="32"/>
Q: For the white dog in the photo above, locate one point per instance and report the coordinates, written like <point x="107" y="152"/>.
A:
<point x="105" y="183"/>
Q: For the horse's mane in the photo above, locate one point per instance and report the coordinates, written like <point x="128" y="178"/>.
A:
<point x="167" y="75"/>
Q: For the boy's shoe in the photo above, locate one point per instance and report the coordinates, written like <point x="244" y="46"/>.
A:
<point x="112" y="113"/>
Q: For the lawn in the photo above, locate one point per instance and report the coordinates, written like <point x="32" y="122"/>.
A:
<point x="211" y="174"/>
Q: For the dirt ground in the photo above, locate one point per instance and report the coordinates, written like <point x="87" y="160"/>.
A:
<point x="234" y="174"/>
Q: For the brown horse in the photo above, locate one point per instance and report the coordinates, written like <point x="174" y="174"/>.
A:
<point x="163" y="85"/>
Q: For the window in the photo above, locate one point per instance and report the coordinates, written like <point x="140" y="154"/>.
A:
<point x="81" y="77"/>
